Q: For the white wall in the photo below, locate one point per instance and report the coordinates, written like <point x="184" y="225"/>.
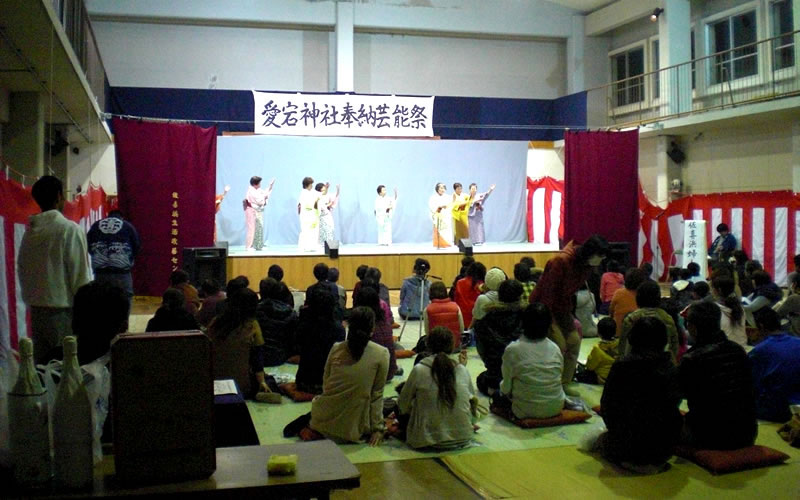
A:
<point x="405" y="64"/>
<point x="185" y="56"/>
<point x="546" y="163"/>
<point x="93" y="164"/>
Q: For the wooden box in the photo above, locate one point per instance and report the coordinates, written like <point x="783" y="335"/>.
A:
<point x="162" y="402"/>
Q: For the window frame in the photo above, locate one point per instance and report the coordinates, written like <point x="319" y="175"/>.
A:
<point x="788" y="71"/>
<point x="643" y="103"/>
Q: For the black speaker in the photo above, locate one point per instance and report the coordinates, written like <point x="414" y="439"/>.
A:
<point x="465" y="246"/>
<point x="621" y="252"/>
<point x="332" y="249"/>
<point x="205" y="262"/>
<point x="675" y="153"/>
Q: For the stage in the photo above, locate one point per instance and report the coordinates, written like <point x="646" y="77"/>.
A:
<point x="395" y="261"/>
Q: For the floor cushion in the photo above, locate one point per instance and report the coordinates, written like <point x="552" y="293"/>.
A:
<point x="724" y="461"/>
<point x="566" y="417"/>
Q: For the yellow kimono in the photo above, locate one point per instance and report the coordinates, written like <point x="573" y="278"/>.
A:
<point x="460" y="216"/>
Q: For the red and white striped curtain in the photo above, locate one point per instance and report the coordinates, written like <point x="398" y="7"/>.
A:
<point x="766" y="224"/>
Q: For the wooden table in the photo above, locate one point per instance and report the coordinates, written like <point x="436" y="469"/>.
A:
<point x="241" y="473"/>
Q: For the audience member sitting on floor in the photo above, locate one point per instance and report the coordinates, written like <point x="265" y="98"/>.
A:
<point x="732" y="323"/>
<point x="321" y="274"/>
<point x="681" y="290"/>
<point x="585" y="307"/>
<point x="693" y="269"/>
<point x="374" y="274"/>
<point x="437" y="396"/>
<point x="765" y="294"/>
<point x="501" y="326"/>
<point x="382" y="334"/>
<point x="180" y="279"/>
<point x="237" y="342"/>
<point x="648" y="300"/>
<point x="411" y="304"/>
<point x="465" y="263"/>
<point x="744" y="284"/>
<point x="361" y="272"/>
<point x="611" y="281"/>
<point x="531" y="369"/>
<point x="443" y="312"/>
<point x="317" y="331"/>
<point x="624" y="300"/>
<point x="494" y="277"/>
<point x="351" y="405"/>
<point x="99" y="313"/>
<point x="776" y="369"/>
<point x="563" y="276"/>
<point x="278" y="323"/>
<point x="172" y="315"/>
<point x="234" y="285"/>
<point x="468" y="289"/>
<point x="715" y="378"/>
<point x="211" y="295"/>
<point x="789" y="309"/>
<point x="522" y="273"/>
<point x="791" y="275"/>
<point x="333" y="277"/>
<point x="276" y="272"/>
<point x="603" y="354"/>
<point x="640" y="403"/>
<point x="701" y="292"/>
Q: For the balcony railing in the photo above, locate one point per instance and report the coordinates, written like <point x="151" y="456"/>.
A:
<point x="755" y="72"/>
<point x="75" y="20"/>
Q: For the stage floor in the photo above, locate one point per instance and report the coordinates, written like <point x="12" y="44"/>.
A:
<point x="394" y="249"/>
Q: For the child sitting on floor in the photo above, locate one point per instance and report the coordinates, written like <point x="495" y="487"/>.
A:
<point x="603" y="355"/>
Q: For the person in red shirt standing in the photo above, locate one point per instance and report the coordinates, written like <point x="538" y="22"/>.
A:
<point x="563" y="276"/>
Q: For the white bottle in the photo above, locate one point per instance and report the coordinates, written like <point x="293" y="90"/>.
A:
<point x="72" y="424"/>
<point x="29" y="438"/>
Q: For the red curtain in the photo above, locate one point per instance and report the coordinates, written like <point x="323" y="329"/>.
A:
<point x="601" y="183"/>
<point x="165" y="177"/>
<point x="543" y="213"/>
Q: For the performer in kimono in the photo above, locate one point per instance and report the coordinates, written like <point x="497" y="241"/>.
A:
<point x="476" y="201"/>
<point x="254" y="203"/>
<point x="460" y="212"/>
<point x="308" y="209"/>
<point x="326" y="204"/>
<point x="384" y="210"/>
<point x="440" y="206"/>
<point x="217" y="205"/>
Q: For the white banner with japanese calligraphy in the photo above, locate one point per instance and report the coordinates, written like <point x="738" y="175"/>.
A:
<point x="695" y="247"/>
<point x="342" y="115"/>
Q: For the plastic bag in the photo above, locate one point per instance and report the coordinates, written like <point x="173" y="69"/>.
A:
<point x="9" y="369"/>
<point x="97" y="379"/>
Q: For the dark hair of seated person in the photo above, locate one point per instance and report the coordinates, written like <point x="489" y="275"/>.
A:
<point x="594" y="245"/>
<point x="443" y="371"/>
<point x="241" y="308"/>
<point x="768" y="320"/>
<point x="761" y="278"/>
<point x="476" y="272"/>
<point x="321" y="304"/>
<point x="522" y="272"/>
<point x="236" y="284"/>
<point x="275" y="272"/>
<point x="438" y="290"/>
<point x="701" y="289"/>
<point x="607" y="328"/>
<point x="536" y="320"/>
<point x="509" y="291"/>
<point x="359" y="331"/>
<point x="209" y="287"/>
<point x="648" y="294"/>
<point x="361" y="271"/>
<point x="99" y="312"/>
<point x="368" y="297"/>
<point x="268" y="288"/>
<point x="705" y="317"/>
<point x="648" y="335"/>
<point x="333" y="275"/>
<point x="634" y="277"/>
<point x="177" y="277"/>
<point x="725" y="287"/>
<point x="321" y="271"/>
<point x="173" y="299"/>
<point x="374" y="274"/>
<point x="528" y="261"/>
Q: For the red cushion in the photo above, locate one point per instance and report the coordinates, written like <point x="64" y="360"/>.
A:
<point x="566" y="417"/>
<point x="404" y="353"/>
<point x="724" y="461"/>
<point x="291" y="391"/>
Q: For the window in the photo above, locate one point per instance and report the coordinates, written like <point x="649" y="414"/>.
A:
<point x="736" y="32"/>
<point x="654" y="66"/>
<point x="783" y="47"/>
<point x="692" y="57"/>
<point x="625" y="66"/>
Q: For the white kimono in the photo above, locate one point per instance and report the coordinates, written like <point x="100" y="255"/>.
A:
<point x="309" y="221"/>
<point x="384" y="209"/>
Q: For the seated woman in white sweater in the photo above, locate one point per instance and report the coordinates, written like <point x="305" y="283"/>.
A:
<point x="532" y="368"/>
<point x="437" y="395"/>
<point x="350" y="407"/>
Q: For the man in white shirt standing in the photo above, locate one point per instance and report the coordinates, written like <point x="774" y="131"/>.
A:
<point x="53" y="263"/>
